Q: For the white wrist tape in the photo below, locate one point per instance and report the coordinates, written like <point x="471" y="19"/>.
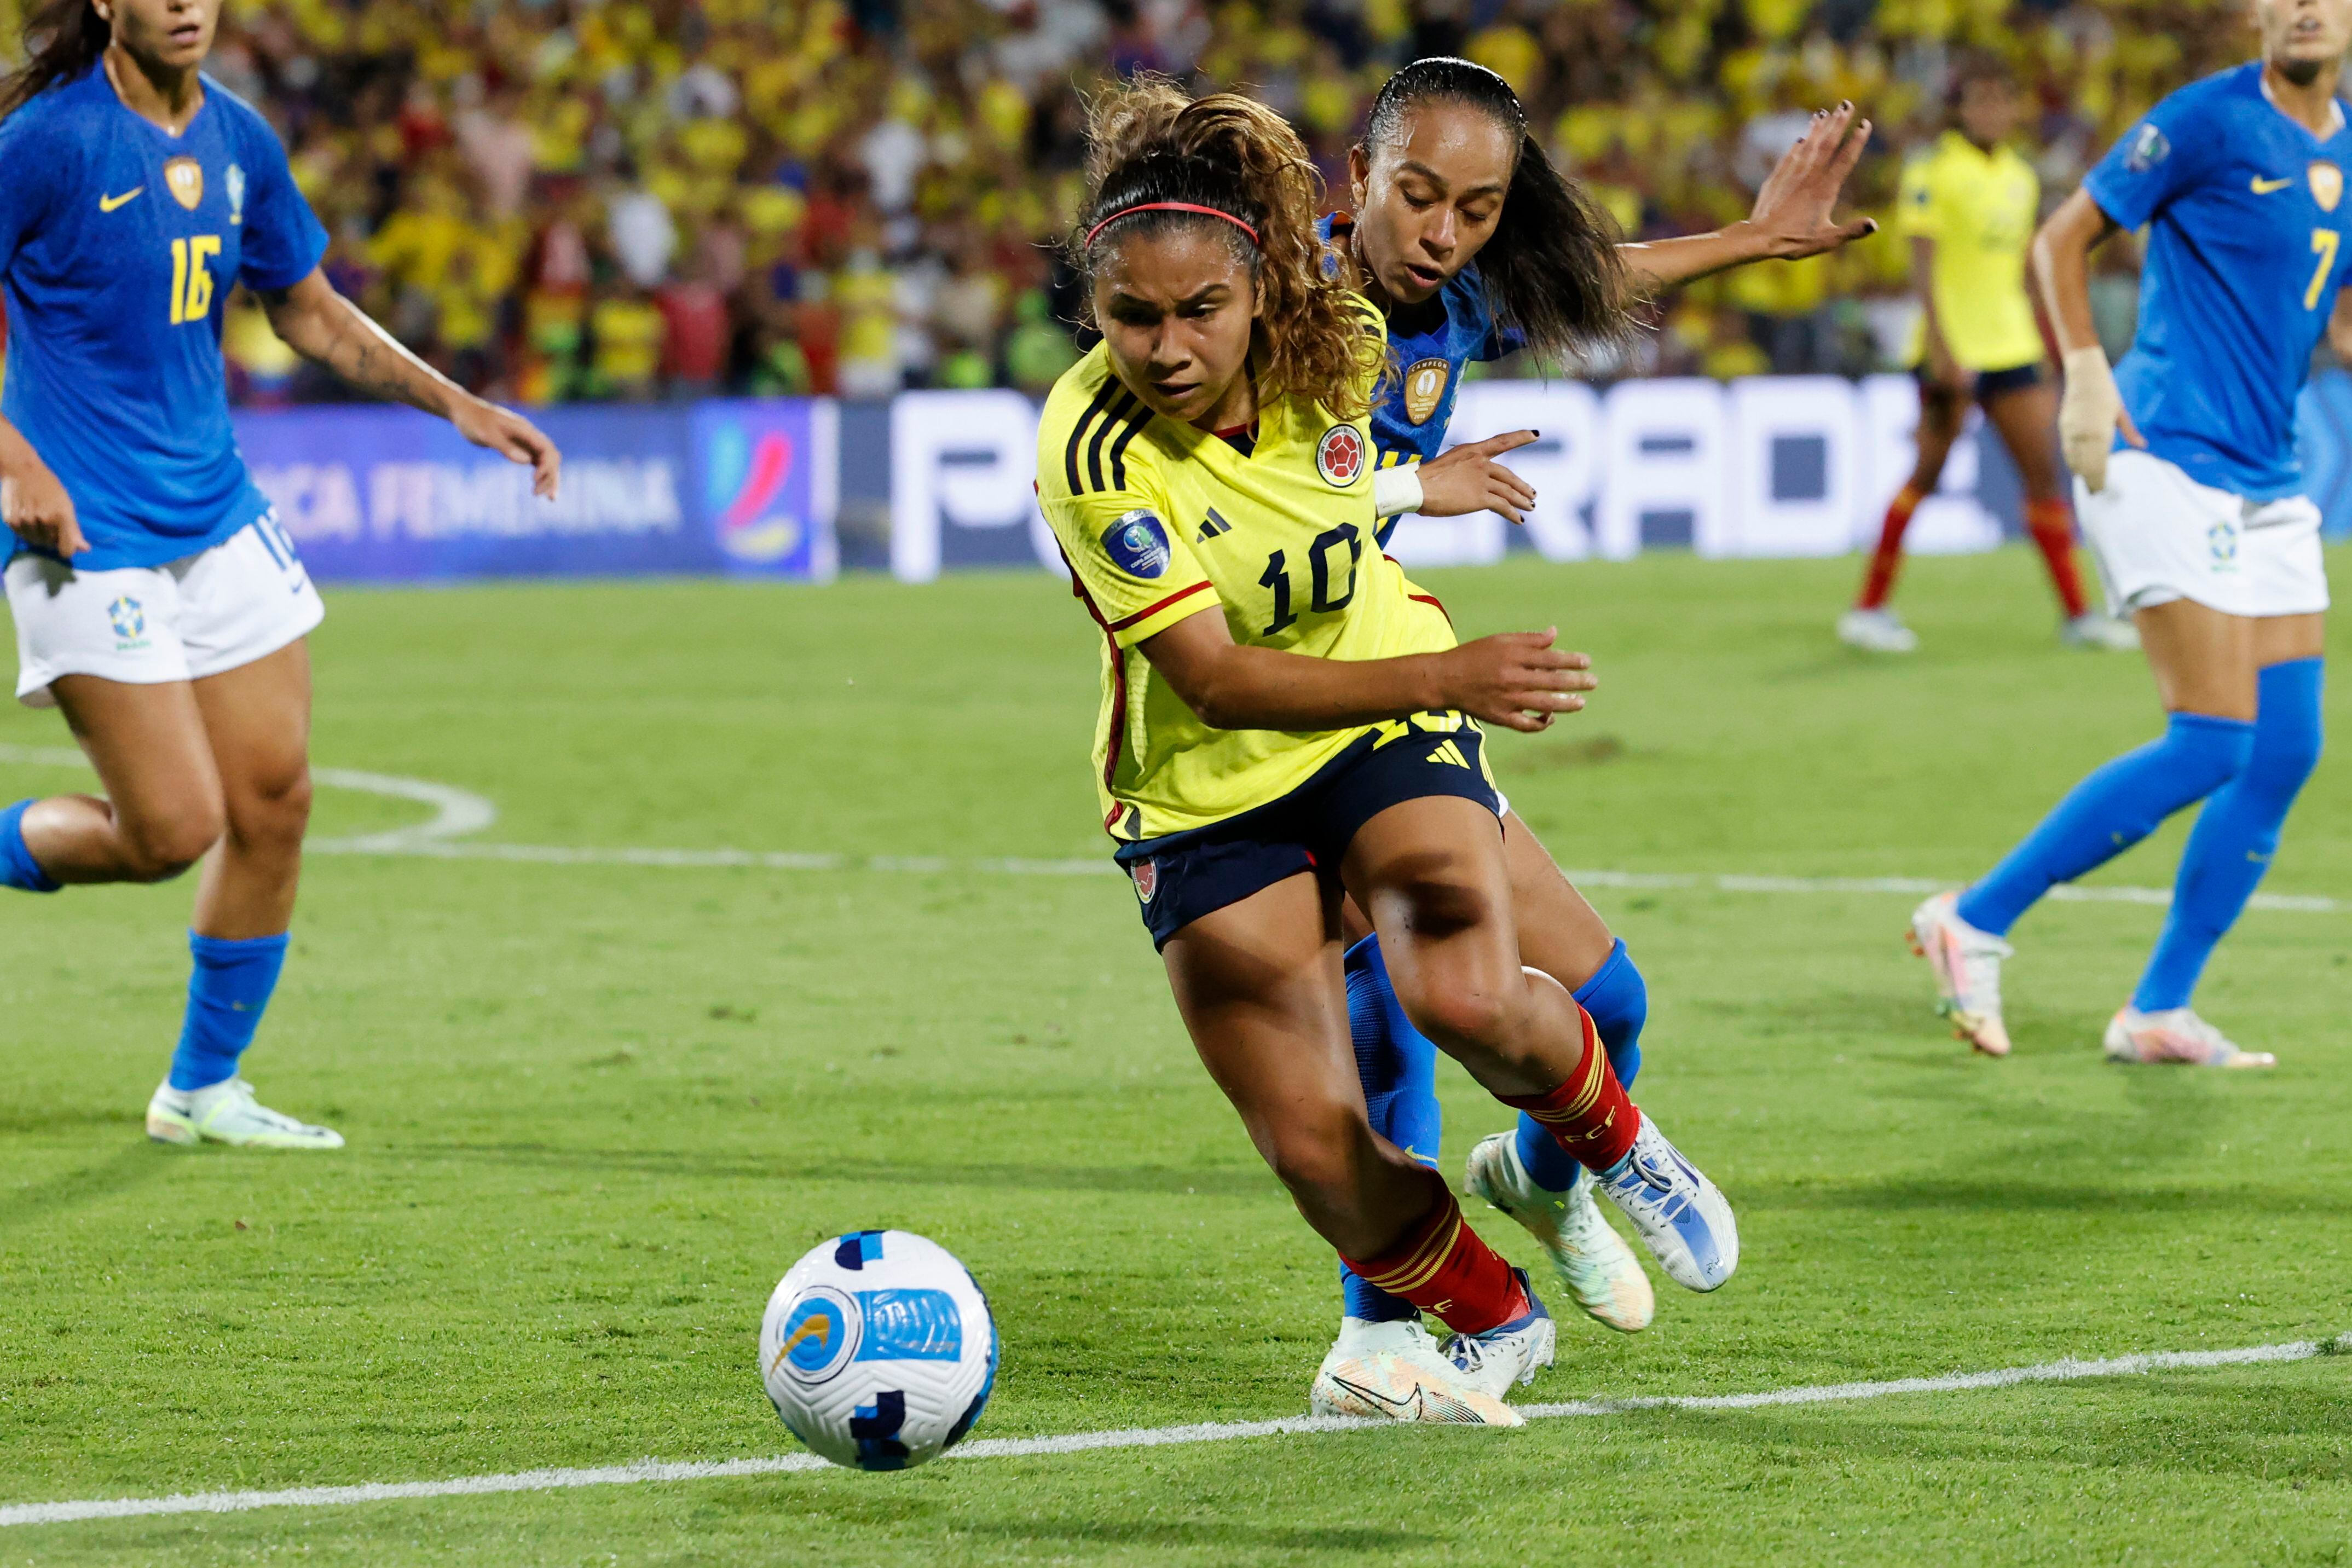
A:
<point x="1396" y="490"/>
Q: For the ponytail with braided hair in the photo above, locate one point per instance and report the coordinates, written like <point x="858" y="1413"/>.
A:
<point x="61" y="41"/>
<point x="1155" y="156"/>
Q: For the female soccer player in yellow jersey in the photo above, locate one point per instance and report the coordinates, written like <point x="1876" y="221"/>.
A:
<point x="1969" y="204"/>
<point x="1282" y="721"/>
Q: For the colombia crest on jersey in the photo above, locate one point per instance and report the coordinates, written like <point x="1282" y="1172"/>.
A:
<point x="1161" y="520"/>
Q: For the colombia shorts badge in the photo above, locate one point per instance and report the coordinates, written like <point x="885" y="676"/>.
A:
<point x="1340" y="455"/>
<point x="1146" y="873"/>
<point x="1136" y="544"/>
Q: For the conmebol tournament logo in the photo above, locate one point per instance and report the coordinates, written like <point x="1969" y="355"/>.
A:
<point x="747" y="476"/>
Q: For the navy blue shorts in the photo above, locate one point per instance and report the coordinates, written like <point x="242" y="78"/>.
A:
<point x="1183" y="876"/>
<point x="1991" y="384"/>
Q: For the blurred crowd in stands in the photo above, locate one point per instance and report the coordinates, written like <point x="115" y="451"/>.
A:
<point x="556" y="200"/>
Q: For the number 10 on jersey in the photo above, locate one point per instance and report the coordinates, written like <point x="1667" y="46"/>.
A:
<point x="192" y="277"/>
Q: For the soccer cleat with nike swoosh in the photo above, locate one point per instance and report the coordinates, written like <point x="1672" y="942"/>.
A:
<point x="2177" y="1035"/>
<point x="227" y="1112"/>
<point x="1396" y="1372"/>
<point x="1508" y="1354"/>
<point x="1967" y="964"/>
<point x="1681" y="1217"/>
<point x="1592" y="1260"/>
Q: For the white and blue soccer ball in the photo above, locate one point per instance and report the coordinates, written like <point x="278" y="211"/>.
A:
<point x="879" y="1350"/>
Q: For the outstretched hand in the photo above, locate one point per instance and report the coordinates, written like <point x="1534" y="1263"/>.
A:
<point x="1467" y="479"/>
<point x="1795" y="212"/>
<point x="1517" y="679"/>
<point x="510" y="435"/>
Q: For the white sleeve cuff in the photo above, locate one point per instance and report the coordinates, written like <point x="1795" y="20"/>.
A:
<point x="1396" y="490"/>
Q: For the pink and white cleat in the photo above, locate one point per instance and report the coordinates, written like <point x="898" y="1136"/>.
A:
<point x="2176" y="1034"/>
<point x="1967" y="963"/>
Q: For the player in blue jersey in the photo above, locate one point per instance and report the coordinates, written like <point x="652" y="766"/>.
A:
<point x="1475" y="246"/>
<point x="2189" y="491"/>
<point x="156" y="601"/>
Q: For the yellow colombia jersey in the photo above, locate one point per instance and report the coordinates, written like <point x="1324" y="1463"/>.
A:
<point x="1979" y="209"/>
<point x="1161" y="520"/>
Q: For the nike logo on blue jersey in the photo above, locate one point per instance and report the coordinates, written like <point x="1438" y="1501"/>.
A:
<point x="107" y="204"/>
<point x="2262" y="187"/>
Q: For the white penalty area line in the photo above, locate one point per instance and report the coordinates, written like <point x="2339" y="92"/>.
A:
<point x="460" y="813"/>
<point x="2068" y="1371"/>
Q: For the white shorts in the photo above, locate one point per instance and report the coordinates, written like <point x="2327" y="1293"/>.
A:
<point x="219" y="609"/>
<point x="2157" y="536"/>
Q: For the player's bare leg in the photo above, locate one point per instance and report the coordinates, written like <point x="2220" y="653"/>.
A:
<point x="1258" y="985"/>
<point x="217" y="769"/>
<point x="1869" y="624"/>
<point x="1431" y="875"/>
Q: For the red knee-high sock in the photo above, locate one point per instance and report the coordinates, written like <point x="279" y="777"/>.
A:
<point x="1590" y="1115"/>
<point x="1887" y="559"/>
<point x="1442" y="1267"/>
<point x="2051" y="524"/>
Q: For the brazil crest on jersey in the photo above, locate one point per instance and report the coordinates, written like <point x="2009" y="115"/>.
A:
<point x="119" y="245"/>
<point x="2245" y="213"/>
<point x="1161" y="520"/>
<point x="1432" y="343"/>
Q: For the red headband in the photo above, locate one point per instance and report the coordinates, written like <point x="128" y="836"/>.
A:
<point x="1172" y="207"/>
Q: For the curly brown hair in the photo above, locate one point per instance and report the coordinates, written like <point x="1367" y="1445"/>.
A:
<point x="1148" y="142"/>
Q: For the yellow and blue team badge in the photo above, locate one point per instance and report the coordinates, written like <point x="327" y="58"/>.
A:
<point x="2326" y="184"/>
<point x="184" y="178"/>
<point x="1424" y="386"/>
<point x="1136" y="544"/>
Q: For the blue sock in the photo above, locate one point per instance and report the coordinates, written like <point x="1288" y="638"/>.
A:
<point x="1620" y="1004"/>
<point x="1398" y="1065"/>
<point x="2120" y="803"/>
<point x="2236" y="833"/>
<point x="17" y="866"/>
<point x="227" y="990"/>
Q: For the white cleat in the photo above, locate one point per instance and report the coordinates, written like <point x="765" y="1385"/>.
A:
<point x="1682" y="1217"/>
<point x="1509" y="1354"/>
<point x="1877" y="632"/>
<point x="1589" y="1258"/>
<point x="1396" y="1372"/>
<point x="2092" y="629"/>
<point x="1967" y="963"/>
<point x="227" y="1112"/>
<point x="2177" y="1035"/>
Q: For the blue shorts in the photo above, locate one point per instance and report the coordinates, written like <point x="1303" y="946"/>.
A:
<point x="1991" y="384"/>
<point x="1183" y="876"/>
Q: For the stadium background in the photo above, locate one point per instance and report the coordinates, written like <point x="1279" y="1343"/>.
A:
<point x="581" y="204"/>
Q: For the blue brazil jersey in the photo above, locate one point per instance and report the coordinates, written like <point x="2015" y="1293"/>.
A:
<point x="119" y="244"/>
<point x="1432" y="343"/>
<point x="2246" y="217"/>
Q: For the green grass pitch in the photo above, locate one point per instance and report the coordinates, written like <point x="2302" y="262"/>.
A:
<point x="594" y="1111"/>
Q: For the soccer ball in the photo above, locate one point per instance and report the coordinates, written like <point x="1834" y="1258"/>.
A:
<point x="877" y="1350"/>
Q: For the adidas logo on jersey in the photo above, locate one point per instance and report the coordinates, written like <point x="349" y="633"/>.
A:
<point x="1213" y="527"/>
<point x="1446" y="752"/>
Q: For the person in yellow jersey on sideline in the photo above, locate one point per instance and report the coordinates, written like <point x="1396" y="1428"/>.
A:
<point x="1969" y="205"/>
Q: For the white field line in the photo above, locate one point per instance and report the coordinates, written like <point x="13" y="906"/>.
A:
<point x="459" y="812"/>
<point x="2068" y="1371"/>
